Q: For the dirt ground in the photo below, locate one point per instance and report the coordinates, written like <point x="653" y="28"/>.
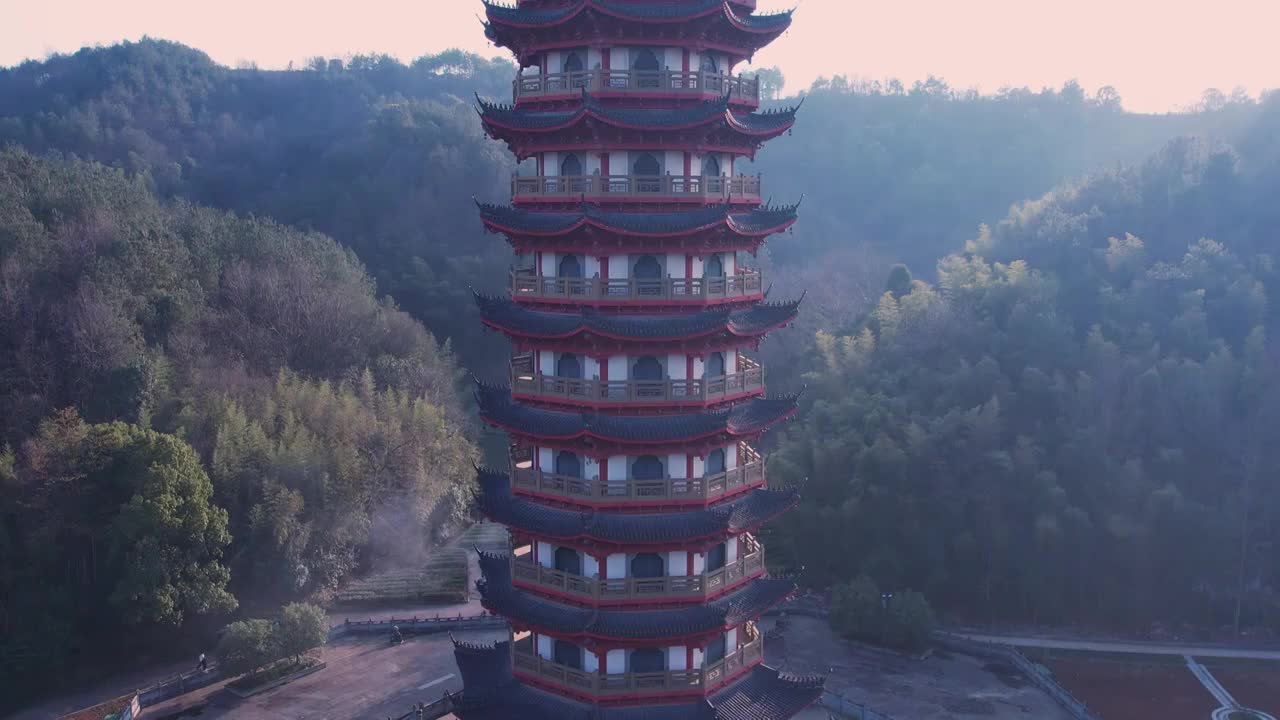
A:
<point x="942" y="687"/>
<point x="1128" y="690"/>
<point x="1254" y="687"/>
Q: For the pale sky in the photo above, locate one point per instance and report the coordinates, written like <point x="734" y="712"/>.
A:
<point x="1160" y="54"/>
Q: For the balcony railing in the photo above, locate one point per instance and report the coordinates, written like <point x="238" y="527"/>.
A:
<point x="749" y="473"/>
<point x="527" y="662"/>
<point x="742" y="285"/>
<point x="695" y="83"/>
<point x="608" y="188"/>
<point x="690" y="587"/>
<point x="525" y="381"/>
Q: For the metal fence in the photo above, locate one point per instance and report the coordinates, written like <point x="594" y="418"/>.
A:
<point x="1033" y="672"/>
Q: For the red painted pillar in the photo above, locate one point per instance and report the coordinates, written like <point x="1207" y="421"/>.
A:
<point x="602" y="658"/>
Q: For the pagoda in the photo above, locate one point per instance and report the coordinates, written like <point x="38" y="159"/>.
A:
<point x="634" y="579"/>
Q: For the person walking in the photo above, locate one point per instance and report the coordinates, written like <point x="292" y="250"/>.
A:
<point x="203" y="664"/>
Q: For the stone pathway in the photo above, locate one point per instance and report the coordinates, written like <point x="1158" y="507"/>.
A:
<point x="1225" y="700"/>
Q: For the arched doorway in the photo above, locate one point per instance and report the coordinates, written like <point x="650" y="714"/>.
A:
<point x="570" y="267"/>
<point x="716" y="557"/>
<point x="714" y="651"/>
<point x="647" y="267"/>
<point x="715" y="462"/>
<point x="568" y="464"/>
<point x="646" y="467"/>
<point x="566" y="653"/>
<point x="573" y="62"/>
<point x="715" y="369"/>
<point x="646" y="369"/>
<point x="714" y="267"/>
<point x="648" y="565"/>
<point x="568" y="560"/>
<point x="646" y="65"/>
<point x="648" y="660"/>
<point x="647" y="170"/>
<point x="569" y="366"/>
<point x="570" y="166"/>
<point x="709" y="63"/>
<point x="711" y="166"/>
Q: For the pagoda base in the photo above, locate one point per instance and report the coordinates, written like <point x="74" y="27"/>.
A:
<point x="492" y="692"/>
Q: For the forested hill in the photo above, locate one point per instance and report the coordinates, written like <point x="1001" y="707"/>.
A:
<point x="1080" y="420"/>
<point x="384" y="156"/>
<point x="911" y="171"/>
<point x="195" y="409"/>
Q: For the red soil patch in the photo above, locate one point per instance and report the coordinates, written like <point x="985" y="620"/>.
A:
<point x="1252" y="687"/>
<point x="1125" y="691"/>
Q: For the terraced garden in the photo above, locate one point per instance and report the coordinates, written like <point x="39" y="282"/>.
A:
<point x="443" y="579"/>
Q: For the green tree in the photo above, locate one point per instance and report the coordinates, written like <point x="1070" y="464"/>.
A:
<point x="247" y="645"/>
<point x="908" y="621"/>
<point x="856" y="608"/>
<point x="772" y="81"/>
<point x="301" y="627"/>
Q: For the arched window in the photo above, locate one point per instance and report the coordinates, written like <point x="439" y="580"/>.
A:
<point x="709" y="63"/>
<point x="570" y="267"/>
<point x="570" y="166"/>
<point x="714" y="651"/>
<point x="715" y="462"/>
<point x="568" y="366"/>
<point x="716" y="557"/>
<point x="713" y="267"/>
<point x="568" y="560"/>
<point x="566" y="653"/>
<point x="710" y="166"/>
<point x="647" y="268"/>
<point x="646" y="467"/>
<point x="573" y="62"/>
<point x="568" y="464"/>
<point x="648" y="565"/>
<point x="648" y="660"/>
<point x="646" y="368"/>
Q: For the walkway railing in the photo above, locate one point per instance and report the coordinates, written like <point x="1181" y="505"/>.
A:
<point x="527" y="662"/>
<point x="624" y="187"/>
<point x="524" y="381"/>
<point x="749" y="473"/>
<point x="676" y="82"/>
<point x="526" y="285"/>
<point x="689" y="587"/>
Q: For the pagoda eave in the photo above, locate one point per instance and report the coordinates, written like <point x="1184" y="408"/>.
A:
<point x="646" y="307"/>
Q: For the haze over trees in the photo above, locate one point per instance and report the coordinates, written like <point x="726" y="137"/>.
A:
<point x="1077" y="423"/>
<point x="1067" y="415"/>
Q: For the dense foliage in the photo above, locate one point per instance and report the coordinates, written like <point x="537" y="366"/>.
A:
<point x="196" y="405"/>
<point x="382" y="156"/>
<point x="900" y="620"/>
<point x="1078" y="421"/>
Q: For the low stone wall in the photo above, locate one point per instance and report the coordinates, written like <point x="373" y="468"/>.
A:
<point x="849" y="708"/>
<point x="170" y="688"/>
<point x="1033" y="672"/>
<point x="416" y="625"/>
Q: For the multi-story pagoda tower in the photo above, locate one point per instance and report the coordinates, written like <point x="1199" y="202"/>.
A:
<point x="634" y="580"/>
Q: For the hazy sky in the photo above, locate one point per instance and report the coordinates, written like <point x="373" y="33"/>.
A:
<point x="1160" y="54"/>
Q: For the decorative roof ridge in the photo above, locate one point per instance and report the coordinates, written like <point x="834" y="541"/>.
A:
<point x="475" y="647"/>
